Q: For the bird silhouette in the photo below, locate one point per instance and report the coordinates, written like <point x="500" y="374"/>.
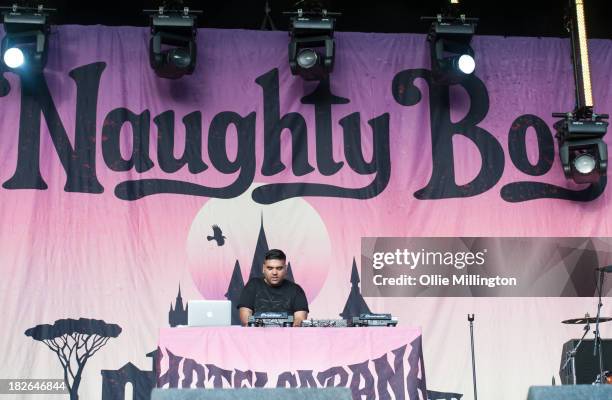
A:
<point x="217" y="236"/>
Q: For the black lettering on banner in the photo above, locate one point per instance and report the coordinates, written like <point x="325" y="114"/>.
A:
<point x="286" y="379"/>
<point x="361" y="372"/>
<point x="78" y="161"/>
<point x="306" y="379"/>
<point x="191" y="368"/>
<point x="274" y="125"/>
<point x="381" y="160"/>
<point x="218" y="375"/>
<point x="517" y="145"/>
<point x="393" y="377"/>
<point x="365" y="380"/>
<point x="241" y="376"/>
<point x="442" y="184"/>
<point x="261" y="379"/>
<point x="327" y="378"/>
<point x="78" y="156"/>
<point x="244" y="163"/>
<point x="192" y="155"/>
<point x="111" y="140"/>
<point x="171" y="376"/>
<point x="322" y="98"/>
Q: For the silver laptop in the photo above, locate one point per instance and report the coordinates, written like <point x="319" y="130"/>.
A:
<point x="209" y="313"/>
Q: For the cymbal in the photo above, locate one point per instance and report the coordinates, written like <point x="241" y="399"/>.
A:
<point x="584" y="320"/>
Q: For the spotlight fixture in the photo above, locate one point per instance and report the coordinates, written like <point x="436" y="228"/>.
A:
<point x="172" y="47"/>
<point x="13" y="57"/>
<point x="583" y="153"/>
<point x="24" y="46"/>
<point x="452" y="57"/>
<point x="311" y="45"/>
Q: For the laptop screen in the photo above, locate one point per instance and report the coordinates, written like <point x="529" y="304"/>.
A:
<point x="209" y="313"/>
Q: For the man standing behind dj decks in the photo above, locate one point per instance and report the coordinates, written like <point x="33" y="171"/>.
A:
<point x="273" y="293"/>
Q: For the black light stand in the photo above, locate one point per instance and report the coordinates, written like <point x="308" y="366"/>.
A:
<point x="470" y="318"/>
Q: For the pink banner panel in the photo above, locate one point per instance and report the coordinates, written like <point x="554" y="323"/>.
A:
<point x="375" y="363"/>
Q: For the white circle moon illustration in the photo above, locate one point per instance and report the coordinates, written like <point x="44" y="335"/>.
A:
<point x="292" y="225"/>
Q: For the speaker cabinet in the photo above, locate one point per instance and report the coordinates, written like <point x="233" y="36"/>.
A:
<point x="571" y="392"/>
<point x="587" y="365"/>
<point x="253" y="394"/>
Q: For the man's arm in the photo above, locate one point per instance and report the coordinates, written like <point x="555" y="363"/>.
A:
<point x="298" y="317"/>
<point x="245" y="313"/>
<point x="300" y="305"/>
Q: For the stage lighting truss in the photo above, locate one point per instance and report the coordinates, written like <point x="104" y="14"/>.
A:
<point x="452" y="57"/>
<point x="583" y="153"/>
<point x="311" y="45"/>
<point x="172" y="47"/>
<point x="25" y="44"/>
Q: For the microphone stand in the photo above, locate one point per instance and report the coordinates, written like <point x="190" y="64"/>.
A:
<point x="597" y="341"/>
<point x="470" y="318"/>
<point x="571" y="355"/>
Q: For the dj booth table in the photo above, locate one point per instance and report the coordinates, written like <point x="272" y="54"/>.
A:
<point x="373" y="362"/>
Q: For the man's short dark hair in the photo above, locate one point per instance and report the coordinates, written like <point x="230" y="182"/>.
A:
<point x="275" y="254"/>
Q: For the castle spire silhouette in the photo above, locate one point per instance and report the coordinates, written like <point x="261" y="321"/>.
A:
<point x="260" y="251"/>
<point x="178" y="315"/>
<point x="289" y="273"/>
<point x="355" y="304"/>
<point x="233" y="292"/>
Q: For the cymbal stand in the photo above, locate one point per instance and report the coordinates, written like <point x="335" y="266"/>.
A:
<point x="571" y="355"/>
<point x="597" y="341"/>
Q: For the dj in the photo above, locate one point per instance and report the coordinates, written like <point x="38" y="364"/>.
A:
<point x="273" y="293"/>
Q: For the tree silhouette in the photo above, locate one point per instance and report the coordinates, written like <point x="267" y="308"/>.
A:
<point x="74" y="342"/>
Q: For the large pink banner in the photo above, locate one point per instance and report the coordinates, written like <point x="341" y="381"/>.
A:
<point x="375" y="363"/>
<point x="112" y="180"/>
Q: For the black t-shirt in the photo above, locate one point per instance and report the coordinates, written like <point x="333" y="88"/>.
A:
<point x="260" y="297"/>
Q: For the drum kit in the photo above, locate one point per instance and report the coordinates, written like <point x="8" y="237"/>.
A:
<point x="604" y="377"/>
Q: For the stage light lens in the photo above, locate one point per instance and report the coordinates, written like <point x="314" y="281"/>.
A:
<point x="466" y="64"/>
<point x="13" y="57"/>
<point x="307" y="58"/>
<point x="585" y="164"/>
<point x="180" y="57"/>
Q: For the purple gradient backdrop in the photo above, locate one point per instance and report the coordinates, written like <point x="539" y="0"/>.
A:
<point x="93" y="255"/>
